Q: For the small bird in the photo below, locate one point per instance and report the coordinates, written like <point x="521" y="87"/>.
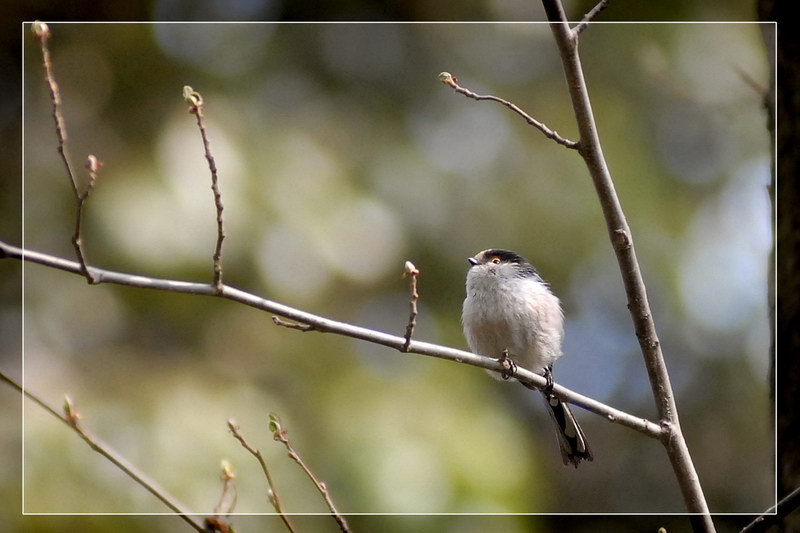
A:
<point x="510" y="314"/>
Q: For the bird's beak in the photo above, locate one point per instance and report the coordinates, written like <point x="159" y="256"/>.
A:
<point x="472" y="261"/>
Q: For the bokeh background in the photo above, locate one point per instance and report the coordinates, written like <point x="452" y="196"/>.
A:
<point x="341" y="156"/>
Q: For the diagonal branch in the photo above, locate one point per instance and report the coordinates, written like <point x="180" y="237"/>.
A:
<point x="622" y="242"/>
<point x="72" y="419"/>
<point x="279" y="434"/>
<point x="775" y="514"/>
<point x="272" y="493"/>
<point x="590" y="16"/>
<point x="452" y="81"/>
<point x="326" y="325"/>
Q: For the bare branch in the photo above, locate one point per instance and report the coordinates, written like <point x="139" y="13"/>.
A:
<point x="72" y="419"/>
<point x="590" y="16"/>
<point x="272" y="493"/>
<point x="279" y="434"/>
<point x="452" y="81"/>
<point x="42" y="32"/>
<point x="226" y="504"/>
<point x="196" y="107"/>
<point x="411" y="272"/>
<point x="93" y="165"/>
<point x="622" y="242"/>
<point x="775" y="514"/>
<point x="321" y="324"/>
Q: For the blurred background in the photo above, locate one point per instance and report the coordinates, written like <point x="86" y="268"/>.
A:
<point x="340" y="156"/>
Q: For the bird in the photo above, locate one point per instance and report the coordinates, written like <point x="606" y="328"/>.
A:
<point x="511" y="314"/>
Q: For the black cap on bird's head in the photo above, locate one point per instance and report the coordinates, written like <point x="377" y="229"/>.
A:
<point x="498" y="256"/>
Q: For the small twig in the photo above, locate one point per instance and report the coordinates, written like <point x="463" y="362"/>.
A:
<point x="590" y="16"/>
<point x="751" y="82"/>
<point x="215" y="524"/>
<point x="411" y="272"/>
<point x="279" y="434"/>
<point x="775" y="514"/>
<point x="195" y="101"/>
<point x="225" y="507"/>
<point x="272" y="493"/>
<point x="292" y="325"/>
<point x="42" y="32"/>
<point x="452" y="81"/>
<point x="72" y="418"/>
<point x="92" y="165"/>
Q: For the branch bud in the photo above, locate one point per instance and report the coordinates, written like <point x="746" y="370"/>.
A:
<point x="410" y="270"/>
<point x="93" y="164"/>
<point x="40" y="29"/>
<point x="227" y="471"/>
<point x="275" y="424"/>
<point x="69" y="411"/>
<point x="447" y="78"/>
<point x="192" y="97"/>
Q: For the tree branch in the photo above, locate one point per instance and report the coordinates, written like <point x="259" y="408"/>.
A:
<point x="279" y="434"/>
<point x="226" y="504"/>
<point x="411" y="272"/>
<point x="42" y="32"/>
<point x="92" y="165"/>
<point x="452" y="81"/>
<point x="197" y="108"/>
<point x="775" y="514"/>
<point x="72" y="419"/>
<point x="272" y="493"/>
<point x="326" y="325"/>
<point x="622" y="242"/>
<point x="590" y="16"/>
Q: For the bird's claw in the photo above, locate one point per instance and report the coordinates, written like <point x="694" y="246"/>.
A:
<point x="548" y="376"/>
<point x="509" y="366"/>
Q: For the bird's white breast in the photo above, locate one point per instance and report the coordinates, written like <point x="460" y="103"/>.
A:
<point x="520" y="315"/>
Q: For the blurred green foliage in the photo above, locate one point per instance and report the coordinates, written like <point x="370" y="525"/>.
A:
<point x="341" y="156"/>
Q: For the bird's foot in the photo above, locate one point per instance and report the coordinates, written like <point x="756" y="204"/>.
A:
<point x="509" y="366"/>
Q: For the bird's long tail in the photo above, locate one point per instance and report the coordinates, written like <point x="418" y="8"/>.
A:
<point x="571" y="438"/>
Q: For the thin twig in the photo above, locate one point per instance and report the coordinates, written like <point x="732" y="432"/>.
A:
<point x="413" y="273"/>
<point x="622" y="243"/>
<point x="272" y="493"/>
<point x="759" y="88"/>
<point x="92" y="165"/>
<point x="590" y="16"/>
<point x="322" y="324"/>
<point x="225" y="507"/>
<point x="72" y="419"/>
<point x="42" y="32"/>
<point x="279" y="434"/>
<point x="196" y="107"/>
<point x="775" y="514"/>
<point x="452" y="81"/>
<point x="216" y="524"/>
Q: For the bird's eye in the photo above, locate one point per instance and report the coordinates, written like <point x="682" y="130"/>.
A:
<point x="495" y="260"/>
